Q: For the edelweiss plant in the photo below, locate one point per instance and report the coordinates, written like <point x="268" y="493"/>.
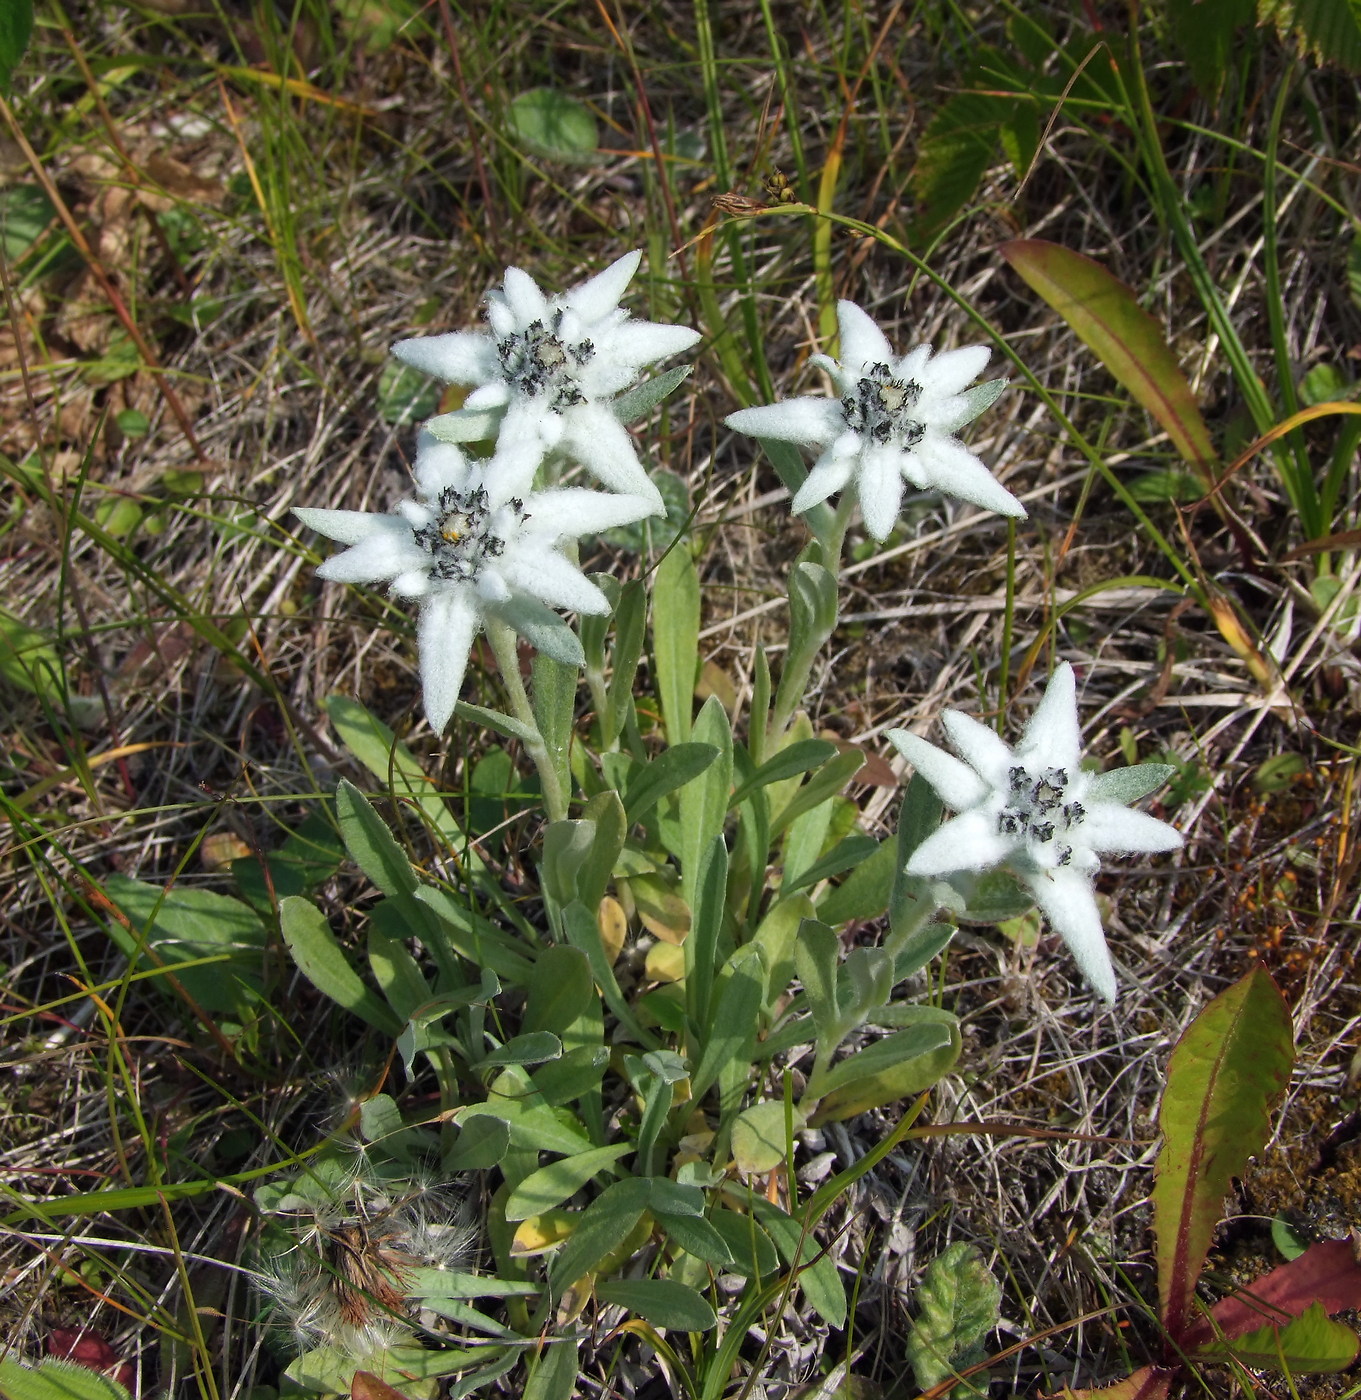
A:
<point x="1039" y="813"/>
<point x="892" y="423"/>
<point x="476" y="555"/>
<point x="687" y="941"/>
<point x="547" y="374"/>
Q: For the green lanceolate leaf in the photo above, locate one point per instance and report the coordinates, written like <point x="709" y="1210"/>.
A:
<point x="630" y="633"/>
<point x="480" y="1145"/>
<point x="798" y="758"/>
<point x="600" y="1229"/>
<point x="818" y="1274"/>
<point x="536" y="1048"/>
<point x="661" y="1301"/>
<point x="553" y="1376"/>
<point x="825" y="783"/>
<point x="56" y="1380"/>
<point x="889" y="1070"/>
<point x="815" y="958"/>
<point x="1226" y="1073"/>
<point x="866" y="892"/>
<point x="550" y="1186"/>
<point x="701" y="947"/>
<point x="760" y="1136"/>
<point x="738" y="993"/>
<point x="704" y="800"/>
<point x="607" y="813"/>
<point x="1128" y="785"/>
<point x="673" y="768"/>
<point x="554" y="701"/>
<point x="16" y="25"/>
<point x="644" y="397"/>
<point x="561" y="994"/>
<point x="320" y="958"/>
<point x="549" y="123"/>
<point x="958" y="1301"/>
<point x="675" y="639"/>
<point x="1106" y="316"/>
<point x="371" y="844"/>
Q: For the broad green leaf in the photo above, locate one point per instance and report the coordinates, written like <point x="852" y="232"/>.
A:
<point x="630" y="634"/>
<point x="606" y="812"/>
<point x="320" y="958"/>
<point x="16" y="24"/>
<point x="471" y="936"/>
<point x="466" y="425"/>
<point x="553" y="1374"/>
<point x="633" y="403"/>
<point x="1311" y="1342"/>
<point x="959" y="144"/>
<point x="750" y="1248"/>
<point x="548" y="123"/>
<point x="406" y="395"/>
<point x="29" y="659"/>
<point x="1225" y="1075"/>
<point x="550" y="1186"/>
<point x="534" y="1124"/>
<point x="675" y="766"/>
<point x="818" y="1276"/>
<point x="554" y="701"/>
<point x="561" y="993"/>
<point x="701" y="947"/>
<point x="53" y="1379"/>
<point x="1174" y="485"/>
<point x="675" y="639"/>
<point x="566" y="844"/>
<point x="759" y="1138"/>
<point x="866" y="892"/>
<point x="577" y="1073"/>
<point x="1205" y="34"/>
<point x="847" y="854"/>
<point x="599" y="1230"/>
<point x="777" y="937"/>
<point x="423" y="1030"/>
<point x="392" y="763"/>
<point x="507" y="726"/>
<point x="397" y="973"/>
<point x="582" y="927"/>
<point x="330" y="1370"/>
<point x="825" y="783"/>
<point x="26" y="213"/>
<point x="536" y="1048"/>
<point x="310" y="854"/>
<point x="958" y="1302"/>
<point x="695" y="1235"/>
<point x="991" y="897"/>
<point x="815" y="957"/>
<point x="704" y="800"/>
<point x="900" y="1065"/>
<point x="371" y="844"/>
<point x="1328" y="31"/>
<point x="798" y="758"/>
<point x="1106" y="316"/>
<point x="186" y="924"/>
<point x="545" y="631"/>
<point x="1128" y="785"/>
<point x="661" y="1301"/>
<point x="738" y="993"/>
<point x="480" y="1145"/>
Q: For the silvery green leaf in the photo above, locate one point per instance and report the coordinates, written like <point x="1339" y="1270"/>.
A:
<point x="543" y="629"/>
<point x="644" y="397"/>
<point x="505" y="725"/>
<point x="466" y="425"/>
<point x="1126" y="785"/>
<point x="979" y="399"/>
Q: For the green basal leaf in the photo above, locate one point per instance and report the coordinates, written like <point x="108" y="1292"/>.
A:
<point x="759" y="1137"/>
<point x="630" y="633"/>
<point x="959" y="1303"/>
<point x="816" y="954"/>
<point x="550" y="1186"/>
<point x="704" y="800"/>
<point x="370" y="843"/>
<point x="695" y="1235"/>
<point x="643" y="398"/>
<point x="662" y="1302"/>
<point x="675" y="639"/>
<point x="183" y="925"/>
<point x="819" y="1277"/>
<point x="1107" y="318"/>
<point x="1225" y="1075"/>
<point x="553" y="1373"/>
<point x="536" y="1048"/>
<point x="866" y="893"/>
<point x="776" y="936"/>
<point x="543" y="629"/>
<point x="738" y="993"/>
<point x="320" y="958"/>
<point x="1310" y="1343"/>
<point x="480" y="1145"/>
<point x="406" y="395"/>
<point x="548" y="123"/>
<point x="600" y="1229"/>
<point x="606" y="812"/>
<point x="562" y="994"/>
<point x="554" y="700"/>
<point x="888" y="1070"/>
<point x="673" y="768"/>
<point x="798" y="758"/>
<point x="53" y="1379"/>
<point x="825" y="783"/>
<point x="29" y="659"/>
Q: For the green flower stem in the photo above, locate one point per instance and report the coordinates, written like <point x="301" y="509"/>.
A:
<point x="834" y="540"/>
<point x="502" y="639"/>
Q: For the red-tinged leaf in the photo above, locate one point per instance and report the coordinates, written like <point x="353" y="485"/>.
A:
<point x="1147" y="1383"/>
<point x="1327" y="1273"/>
<point x="91" y="1349"/>
<point x="367" y="1386"/>
<point x="1223" y="1079"/>
<point x="1310" y="1342"/>
<point x="1106" y="316"/>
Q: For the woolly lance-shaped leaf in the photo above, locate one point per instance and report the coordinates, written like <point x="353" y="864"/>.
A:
<point x="1327" y="1273"/>
<point x="1225" y="1075"/>
<point x="1106" y="316"/>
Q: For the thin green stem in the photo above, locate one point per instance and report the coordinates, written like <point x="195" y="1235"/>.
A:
<point x="502" y="639"/>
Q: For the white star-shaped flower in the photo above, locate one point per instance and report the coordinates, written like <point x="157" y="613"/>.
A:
<point x="893" y="422"/>
<point x="467" y="549"/>
<point x="1038" y="812"/>
<point x="547" y="371"/>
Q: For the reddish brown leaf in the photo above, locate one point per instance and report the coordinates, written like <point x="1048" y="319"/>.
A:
<point x="90" y="1349"/>
<point x="1147" y="1383"/>
<point x="367" y="1386"/>
<point x="1327" y="1273"/>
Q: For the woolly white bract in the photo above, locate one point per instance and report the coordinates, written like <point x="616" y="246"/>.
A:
<point x="1038" y="812"/>
<point x="468" y="548"/>
<point x="893" y="423"/>
<point x="549" y="369"/>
